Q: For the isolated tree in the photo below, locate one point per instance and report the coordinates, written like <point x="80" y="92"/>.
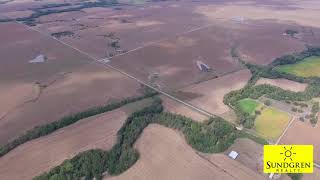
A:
<point x="267" y="102"/>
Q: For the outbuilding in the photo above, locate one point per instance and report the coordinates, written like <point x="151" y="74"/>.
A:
<point x="233" y="154"/>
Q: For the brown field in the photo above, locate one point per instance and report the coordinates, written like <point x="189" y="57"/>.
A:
<point x="250" y="154"/>
<point x="164" y="154"/>
<point x="213" y="91"/>
<point x="236" y="169"/>
<point x="68" y="82"/>
<point x="259" y="36"/>
<point x="294" y="11"/>
<point x="24" y="93"/>
<point x="303" y="133"/>
<point x="262" y="42"/>
<point x="42" y="154"/>
<point x="174" y="61"/>
<point x="283" y="84"/>
<point x="134" y="26"/>
<point x="17" y="14"/>
<point x="177" y="108"/>
<point x="141" y="26"/>
<point x="159" y="43"/>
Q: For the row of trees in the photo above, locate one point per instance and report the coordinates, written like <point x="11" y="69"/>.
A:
<point x="68" y="120"/>
<point x="314" y="111"/>
<point x="269" y="71"/>
<point x="94" y="163"/>
<point x="47" y="9"/>
<point x="294" y="58"/>
<point x="212" y="136"/>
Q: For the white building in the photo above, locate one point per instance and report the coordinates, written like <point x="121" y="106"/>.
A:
<point x="233" y="154"/>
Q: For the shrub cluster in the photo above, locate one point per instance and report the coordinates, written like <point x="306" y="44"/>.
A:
<point x="62" y="34"/>
<point x="295" y="176"/>
<point x="313" y="117"/>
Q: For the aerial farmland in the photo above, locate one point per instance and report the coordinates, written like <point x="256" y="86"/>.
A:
<point x="119" y="89"/>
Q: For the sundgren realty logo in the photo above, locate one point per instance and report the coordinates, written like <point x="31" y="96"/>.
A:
<point x="288" y="159"/>
<point x="287" y="153"/>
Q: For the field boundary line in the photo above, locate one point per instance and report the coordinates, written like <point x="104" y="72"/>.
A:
<point x="213" y="164"/>
<point x="157" y="41"/>
<point x="286" y="129"/>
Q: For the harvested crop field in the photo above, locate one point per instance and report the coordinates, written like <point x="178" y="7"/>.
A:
<point x="178" y="108"/>
<point x="250" y="154"/>
<point x="303" y="133"/>
<point x="164" y="154"/>
<point x="172" y="64"/>
<point x="302" y="13"/>
<point x="15" y="95"/>
<point x="271" y="123"/>
<point x="66" y="82"/>
<point x="133" y="27"/>
<point x="42" y="154"/>
<point x="236" y="169"/>
<point x="263" y="42"/>
<point x="213" y="91"/>
<point x="283" y="84"/>
<point x="309" y="67"/>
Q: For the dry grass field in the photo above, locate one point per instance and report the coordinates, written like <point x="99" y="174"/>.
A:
<point x="164" y="154"/>
<point x="40" y="93"/>
<point x="42" y="154"/>
<point x="303" y="133"/>
<point x="271" y="123"/>
<point x="283" y="84"/>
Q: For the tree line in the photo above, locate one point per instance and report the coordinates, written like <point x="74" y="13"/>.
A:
<point x="47" y="9"/>
<point x="213" y="136"/>
<point x="68" y="120"/>
<point x="258" y="71"/>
